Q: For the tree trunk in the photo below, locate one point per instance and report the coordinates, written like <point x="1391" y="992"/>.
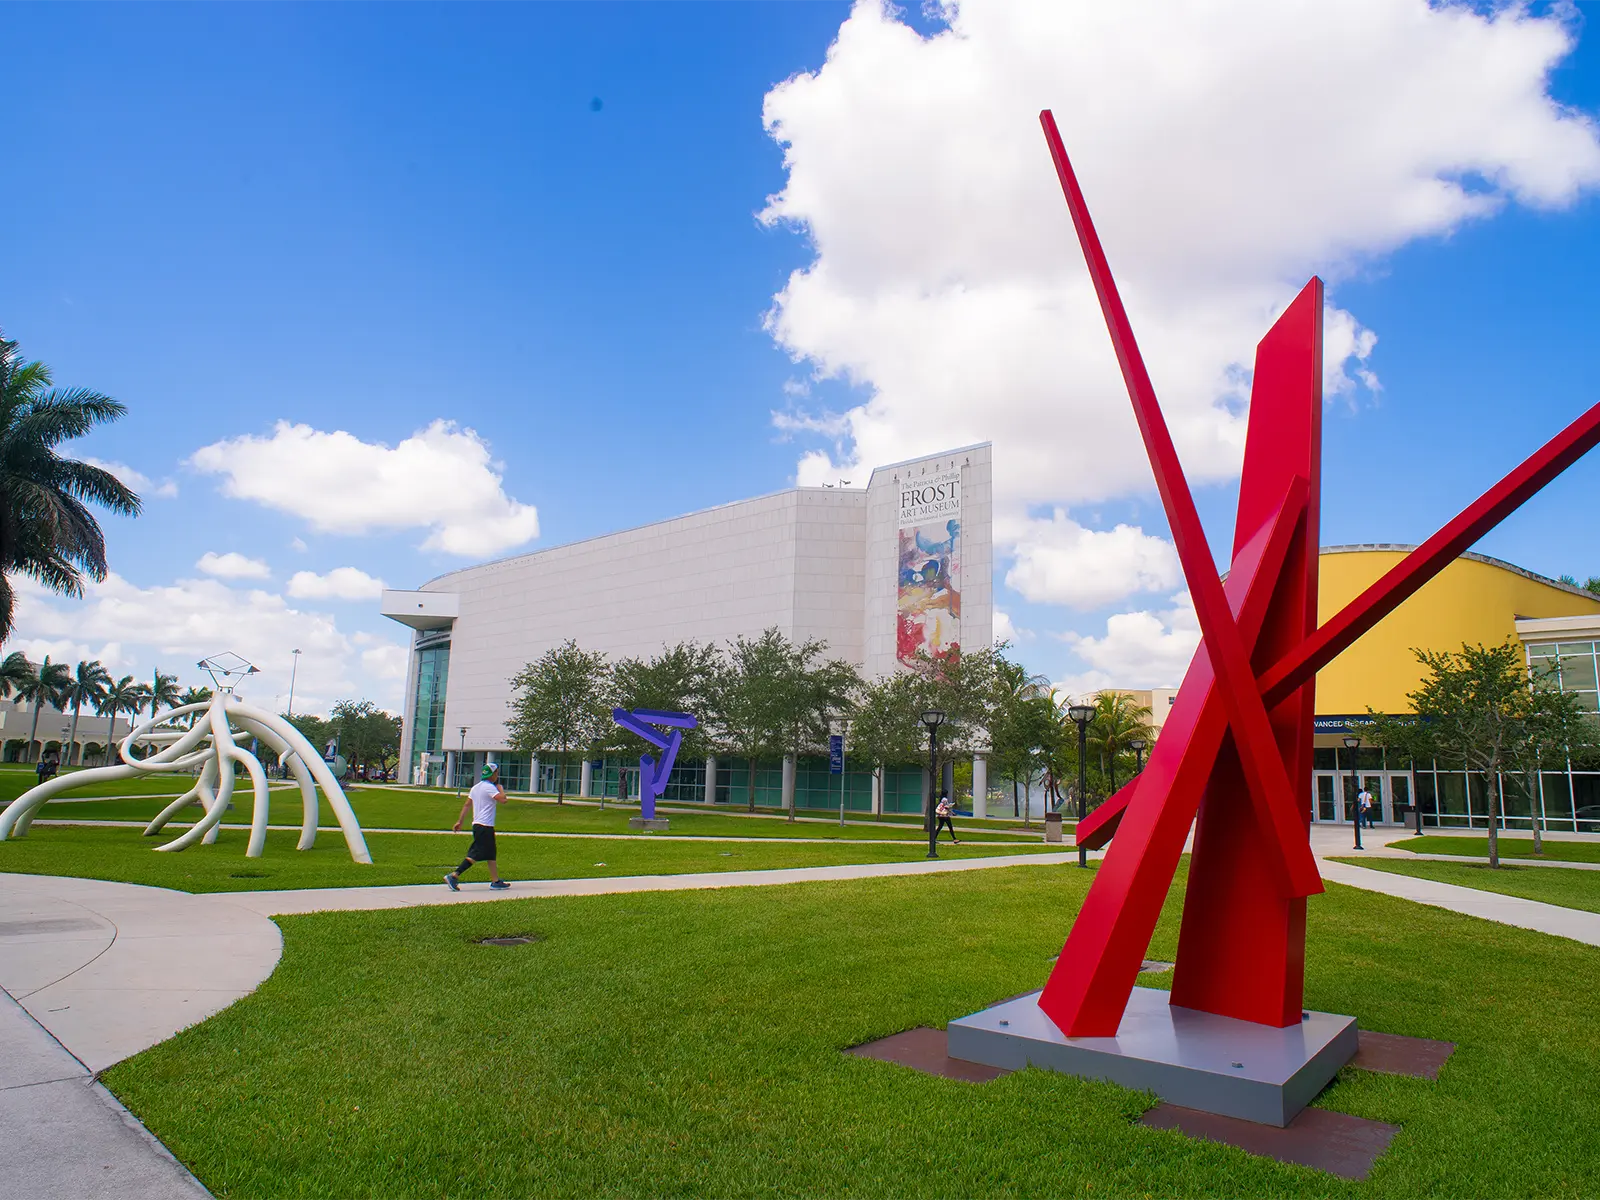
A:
<point x="1536" y="815"/>
<point x="111" y="735"/>
<point x="1016" y="800"/>
<point x="34" y="732"/>
<point x="561" y="776"/>
<point x="751" y="781"/>
<point x="72" y="738"/>
<point x="1492" y="785"/>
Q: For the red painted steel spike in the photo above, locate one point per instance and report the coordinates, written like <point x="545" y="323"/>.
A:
<point x="1270" y="792"/>
<point x="1089" y="987"/>
<point x="1403" y="580"/>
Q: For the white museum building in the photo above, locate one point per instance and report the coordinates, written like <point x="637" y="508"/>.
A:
<point x="878" y="573"/>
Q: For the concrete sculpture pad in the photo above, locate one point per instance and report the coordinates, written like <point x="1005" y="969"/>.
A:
<point x="1191" y="1058"/>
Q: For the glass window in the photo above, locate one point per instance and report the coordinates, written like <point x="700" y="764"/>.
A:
<point x="1544" y="651"/>
<point x="1322" y="759"/>
<point x="1557" y="800"/>
<point x="513" y="770"/>
<point x="1586" y="802"/>
<point x="1451" y="797"/>
<point x="1577" y="668"/>
<point x="427" y="728"/>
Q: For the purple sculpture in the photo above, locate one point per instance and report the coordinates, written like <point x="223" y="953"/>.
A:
<point x="652" y="774"/>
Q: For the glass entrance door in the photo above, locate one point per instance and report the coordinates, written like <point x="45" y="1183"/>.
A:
<point x="1333" y="795"/>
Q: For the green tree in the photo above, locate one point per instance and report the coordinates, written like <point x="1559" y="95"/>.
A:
<point x="194" y="695"/>
<point x="816" y="692"/>
<point x="15" y="670"/>
<point x="750" y="696"/>
<point x="46" y="685"/>
<point x="319" y="731"/>
<point x="162" y="692"/>
<point x="87" y="685"/>
<point x="47" y="530"/>
<point x="961" y="685"/>
<point x="561" y="703"/>
<point x="1479" y="707"/>
<point x="886" y="727"/>
<point x="679" y="679"/>
<point x="122" y="696"/>
<point x="366" y="733"/>
<point x="1118" y="720"/>
<point x="1022" y="726"/>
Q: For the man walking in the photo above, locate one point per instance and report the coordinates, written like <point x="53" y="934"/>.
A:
<point x="1364" y="811"/>
<point x="482" y="800"/>
<point x="944" y="810"/>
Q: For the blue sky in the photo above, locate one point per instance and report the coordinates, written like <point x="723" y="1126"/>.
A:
<point x="543" y="223"/>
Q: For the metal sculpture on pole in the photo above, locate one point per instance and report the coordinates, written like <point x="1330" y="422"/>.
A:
<point x="1236" y="749"/>
<point x="652" y="774"/>
<point x="210" y="743"/>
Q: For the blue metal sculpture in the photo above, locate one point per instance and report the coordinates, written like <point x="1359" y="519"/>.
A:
<point x="653" y="774"/>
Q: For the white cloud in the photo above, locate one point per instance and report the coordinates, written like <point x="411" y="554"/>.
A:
<point x="233" y="565"/>
<point x="341" y="583"/>
<point x="1058" y="561"/>
<point x="440" y="478"/>
<point x="1138" y="650"/>
<point x="135" y="479"/>
<point x="173" y="626"/>
<point x="1006" y="630"/>
<point x="298" y="545"/>
<point x="1227" y="152"/>
<point x="388" y="661"/>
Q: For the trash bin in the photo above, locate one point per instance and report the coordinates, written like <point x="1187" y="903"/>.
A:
<point x="1052" y="827"/>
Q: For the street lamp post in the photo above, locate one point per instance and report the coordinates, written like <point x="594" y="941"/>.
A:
<point x="1353" y="744"/>
<point x="460" y="754"/>
<point x="933" y="718"/>
<point x="1081" y="715"/>
<point x="293" y="671"/>
<point x="844" y="737"/>
<point x="1137" y="746"/>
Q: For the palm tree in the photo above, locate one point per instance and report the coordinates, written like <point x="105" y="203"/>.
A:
<point x="194" y="695"/>
<point x="164" y="692"/>
<point x="46" y="528"/>
<point x="14" y="672"/>
<point x="47" y="685"/>
<point x="1118" y="720"/>
<point x="87" y="685"/>
<point x="121" y="696"/>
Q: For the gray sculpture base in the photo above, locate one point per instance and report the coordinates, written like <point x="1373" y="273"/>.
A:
<point x="649" y="824"/>
<point x="1194" y="1059"/>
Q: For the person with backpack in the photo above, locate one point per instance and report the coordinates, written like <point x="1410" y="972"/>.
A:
<point x="944" y="810"/>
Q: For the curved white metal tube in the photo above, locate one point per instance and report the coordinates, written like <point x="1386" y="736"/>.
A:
<point x="207" y="826"/>
<point x="297" y="768"/>
<point x="336" y="798"/>
<point x="18" y="815"/>
<point x="203" y="781"/>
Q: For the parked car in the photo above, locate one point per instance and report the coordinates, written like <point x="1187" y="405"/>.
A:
<point x="1588" y="818"/>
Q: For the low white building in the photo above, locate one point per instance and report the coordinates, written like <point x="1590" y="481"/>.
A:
<point x="876" y="572"/>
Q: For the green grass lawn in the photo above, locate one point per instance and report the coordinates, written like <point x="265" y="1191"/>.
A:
<point x="16" y="780"/>
<point x="124" y="854"/>
<point x="1510" y="847"/>
<point x="382" y="807"/>
<point x="1549" y="885"/>
<point x="688" y="1044"/>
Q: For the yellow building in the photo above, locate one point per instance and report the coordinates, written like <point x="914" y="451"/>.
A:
<point x="1475" y="600"/>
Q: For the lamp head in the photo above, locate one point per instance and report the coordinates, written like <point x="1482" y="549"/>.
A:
<point x="933" y="718"/>
<point x="1136" y="745"/>
<point x="1352" y="743"/>
<point x="1081" y="714"/>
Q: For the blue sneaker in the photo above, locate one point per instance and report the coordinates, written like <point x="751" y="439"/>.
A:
<point x="499" y="885"/>
<point x="451" y="882"/>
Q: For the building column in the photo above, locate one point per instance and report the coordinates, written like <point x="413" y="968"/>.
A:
<point x="787" y="794"/>
<point x="980" y="786"/>
<point x="586" y="779"/>
<point x="533" y="774"/>
<point x="449" y="768"/>
<point x="947" y="780"/>
<point x="711" y="779"/>
<point x="877" y="792"/>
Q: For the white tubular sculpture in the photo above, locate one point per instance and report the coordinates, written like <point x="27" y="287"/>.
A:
<point x="210" y="745"/>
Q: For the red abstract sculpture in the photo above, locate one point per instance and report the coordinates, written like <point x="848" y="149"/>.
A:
<point x="1236" y="748"/>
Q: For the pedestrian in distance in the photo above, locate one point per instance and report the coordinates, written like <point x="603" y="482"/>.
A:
<point x="1364" y="811"/>
<point x="943" y="810"/>
<point x="482" y="801"/>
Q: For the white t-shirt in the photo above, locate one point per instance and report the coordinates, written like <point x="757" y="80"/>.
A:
<point x="482" y="795"/>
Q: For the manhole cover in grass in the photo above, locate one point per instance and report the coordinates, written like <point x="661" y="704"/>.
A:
<point x="249" y="875"/>
<point x="509" y="939"/>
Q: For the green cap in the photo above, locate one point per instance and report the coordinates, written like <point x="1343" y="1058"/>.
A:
<point x="489" y="770"/>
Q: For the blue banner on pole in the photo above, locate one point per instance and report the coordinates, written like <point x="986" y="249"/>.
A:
<point x="836" y="755"/>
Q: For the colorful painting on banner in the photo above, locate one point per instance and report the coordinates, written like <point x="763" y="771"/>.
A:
<point x="928" y="609"/>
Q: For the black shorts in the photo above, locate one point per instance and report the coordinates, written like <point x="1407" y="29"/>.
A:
<point x="482" y="844"/>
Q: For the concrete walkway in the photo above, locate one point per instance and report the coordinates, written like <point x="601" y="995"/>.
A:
<point x="91" y="973"/>
<point x="414" y="895"/>
<point x="66" y="1137"/>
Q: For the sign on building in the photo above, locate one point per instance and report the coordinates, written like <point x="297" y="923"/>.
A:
<point x="928" y="609"/>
